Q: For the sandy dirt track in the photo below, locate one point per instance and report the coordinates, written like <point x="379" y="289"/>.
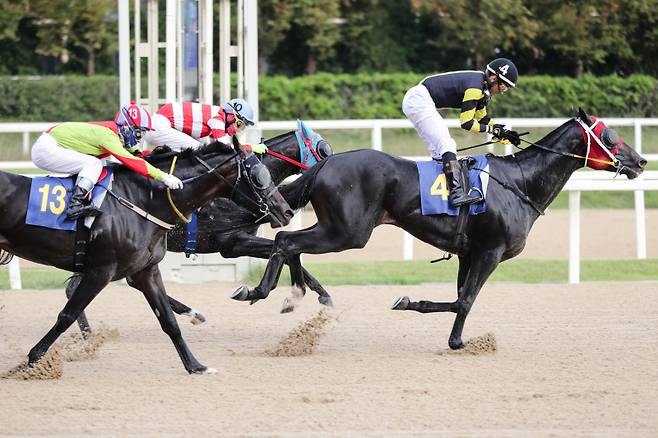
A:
<point x="571" y="361"/>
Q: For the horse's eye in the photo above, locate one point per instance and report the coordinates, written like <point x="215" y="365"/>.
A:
<point x="324" y="149"/>
<point x="260" y="176"/>
<point x="610" y="138"/>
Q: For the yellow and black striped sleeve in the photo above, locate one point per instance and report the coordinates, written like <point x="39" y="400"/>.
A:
<point x="469" y="116"/>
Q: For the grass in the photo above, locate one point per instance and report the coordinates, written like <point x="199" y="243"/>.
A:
<point x="37" y="278"/>
<point x="521" y="270"/>
<point x="410" y="272"/>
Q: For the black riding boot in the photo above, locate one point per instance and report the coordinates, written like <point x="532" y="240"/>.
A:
<point x="79" y="204"/>
<point x="457" y="183"/>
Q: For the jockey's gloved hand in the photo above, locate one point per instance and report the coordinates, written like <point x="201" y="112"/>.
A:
<point x="172" y="182"/>
<point x="498" y="131"/>
<point x="259" y="148"/>
<point x="513" y="137"/>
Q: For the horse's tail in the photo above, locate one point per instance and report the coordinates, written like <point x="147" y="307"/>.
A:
<point x="298" y="193"/>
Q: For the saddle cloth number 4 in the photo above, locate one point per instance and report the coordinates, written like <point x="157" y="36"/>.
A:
<point x="440" y="187"/>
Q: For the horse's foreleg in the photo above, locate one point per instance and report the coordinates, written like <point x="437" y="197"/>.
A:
<point x="196" y="317"/>
<point x="481" y="267"/>
<point x="267" y="283"/>
<point x="81" y="296"/>
<point x="297" y="280"/>
<point x="83" y="323"/>
<point x="149" y="282"/>
<point x="245" y="244"/>
<point x="473" y="272"/>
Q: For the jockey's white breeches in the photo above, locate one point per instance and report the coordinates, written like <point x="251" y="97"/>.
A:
<point x="164" y="134"/>
<point x="419" y="108"/>
<point x="50" y="156"/>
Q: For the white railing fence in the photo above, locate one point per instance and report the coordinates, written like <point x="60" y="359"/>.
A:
<point x="580" y="181"/>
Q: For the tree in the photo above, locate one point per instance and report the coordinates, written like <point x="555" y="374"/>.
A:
<point x="484" y="29"/>
<point x="274" y="20"/>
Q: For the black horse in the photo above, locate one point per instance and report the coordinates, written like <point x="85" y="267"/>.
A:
<point x="353" y="192"/>
<point x="231" y="231"/>
<point x="226" y="228"/>
<point x="122" y="243"/>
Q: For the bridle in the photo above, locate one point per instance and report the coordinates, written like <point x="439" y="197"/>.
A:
<point x="305" y="153"/>
<point x="588" y="135"/>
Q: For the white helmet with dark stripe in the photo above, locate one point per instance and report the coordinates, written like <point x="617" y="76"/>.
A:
<point x="505" y="70"/>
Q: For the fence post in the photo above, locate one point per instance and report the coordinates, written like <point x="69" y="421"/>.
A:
<point x="574" y="237"/>
<point x="26" y="143"/>
<point x="15" y="274"/>
<point x="408" y="247"/>
<point x="376" y="136"/>
<point x="640" y="220"/>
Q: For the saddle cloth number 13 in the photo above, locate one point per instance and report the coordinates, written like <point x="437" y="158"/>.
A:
<point x="57" y="205"/>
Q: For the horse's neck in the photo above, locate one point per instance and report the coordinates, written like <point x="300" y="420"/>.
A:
<point x="542" y="174"/>
<point x="279" y="168"/>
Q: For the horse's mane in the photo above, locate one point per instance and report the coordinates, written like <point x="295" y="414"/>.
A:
<point x="164" y="153"/>
<point x="271" y="142"/>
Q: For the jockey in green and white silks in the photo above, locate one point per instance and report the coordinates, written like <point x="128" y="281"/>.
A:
<point x="79" y="147"/>
<point x="469" y="91"/>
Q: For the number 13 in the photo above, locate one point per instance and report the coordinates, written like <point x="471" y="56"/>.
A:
<point x="56" y="206"/>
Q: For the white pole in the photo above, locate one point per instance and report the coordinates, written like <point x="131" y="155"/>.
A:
<point x="15" y="274"/>
<point x="124" y="52"/>
<point x="574" y="237"/>
<point x="154" y="50"/>
<point x="26" y="143"/>
<point x="224" y="51"/>
<point x="250" y="55"/>
<point x="377" y="136"/>
<point x="408" y="247"/>
<point x="170" y="54"/>
<point x="640" y="220"/>
<point x="207" y="43"/>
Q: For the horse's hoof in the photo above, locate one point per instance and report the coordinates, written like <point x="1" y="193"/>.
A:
<point x="401" y="304"/>
<point x="198" y="318"/>
<point x="204" y="370"/>
<point x="287" y="306"/>
<point x="326" y="301"/>
<point x="241" y="293"/>
<point x="455" y="345"/>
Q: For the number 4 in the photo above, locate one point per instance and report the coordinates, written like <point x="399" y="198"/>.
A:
<point x="440" y="187"/>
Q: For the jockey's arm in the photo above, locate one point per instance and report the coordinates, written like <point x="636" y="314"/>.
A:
<point x="136" y="164"/>
<point x="470" y="118"/>
<point x="218" y="130"/>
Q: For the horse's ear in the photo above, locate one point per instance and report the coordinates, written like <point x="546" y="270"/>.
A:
<point x="584" y="116"/>
<point x="306" y="131"/>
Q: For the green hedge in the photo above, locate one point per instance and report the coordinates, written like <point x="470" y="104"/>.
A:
<point x="337" y="96"/>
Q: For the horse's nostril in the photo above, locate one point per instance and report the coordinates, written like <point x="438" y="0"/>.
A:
<point x="642" y="163"/>
<point x="289" y="214"/>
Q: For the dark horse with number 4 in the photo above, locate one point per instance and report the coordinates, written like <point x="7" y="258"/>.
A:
<point x="353" y="192"/>
<point x="123" y="244"/>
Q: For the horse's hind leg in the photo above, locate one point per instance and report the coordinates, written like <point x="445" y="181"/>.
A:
<point x="479" y="267"/>
<point x="149" y="281"/>
<point x="83" y="323"/>
<point x="89" y="287"/>
<point x="246" y="244"/>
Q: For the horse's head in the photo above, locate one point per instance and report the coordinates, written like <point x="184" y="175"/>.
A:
<point x="255" y="188"/>
<point x="606" y="150"/>
<point x="249" y="181"/>
<point x="295" y="151"/>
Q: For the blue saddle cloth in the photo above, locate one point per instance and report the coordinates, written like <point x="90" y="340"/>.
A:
<point x="49" y="197"/>
<point x="434" y="187"/>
